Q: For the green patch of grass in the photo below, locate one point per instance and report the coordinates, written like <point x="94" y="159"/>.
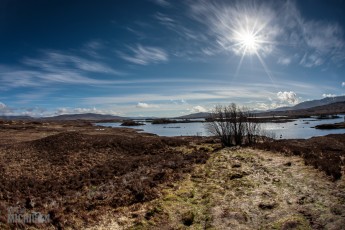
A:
<point x="292" y="222"/>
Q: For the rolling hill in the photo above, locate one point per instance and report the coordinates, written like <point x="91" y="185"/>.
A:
<point x="313" y="103"/>
<point x="85" y="116"/>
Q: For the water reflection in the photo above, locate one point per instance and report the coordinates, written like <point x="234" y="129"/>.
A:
<point x="301" y="128"/>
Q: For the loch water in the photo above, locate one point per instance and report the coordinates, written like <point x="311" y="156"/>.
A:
<point x="298" y="129"/>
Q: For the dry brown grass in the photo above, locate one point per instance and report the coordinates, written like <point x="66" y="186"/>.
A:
<point x="76" y="177"/>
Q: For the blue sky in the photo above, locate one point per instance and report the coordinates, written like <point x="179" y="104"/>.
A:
<point x="167" y="58"/>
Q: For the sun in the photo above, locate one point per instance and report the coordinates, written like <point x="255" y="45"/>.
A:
<point x="250" y="37"/>
<point x="249" y="42"/>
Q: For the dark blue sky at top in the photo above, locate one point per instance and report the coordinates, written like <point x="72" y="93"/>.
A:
<point x="27" y="26"/>
<point x="161" y="57"/>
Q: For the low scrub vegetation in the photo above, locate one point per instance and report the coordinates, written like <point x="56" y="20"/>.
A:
<point x="76" y="177"/>
<point x="325" y="153"/>
<point x="233" y="125"/>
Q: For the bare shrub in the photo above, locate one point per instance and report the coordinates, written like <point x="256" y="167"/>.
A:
<point x="233" y="125"/>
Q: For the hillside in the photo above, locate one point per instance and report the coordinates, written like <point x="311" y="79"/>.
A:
<point x="194" y="116"/>
<point x="313" y="103"/>
<point x="85" y="116"/>
<point x="16" y="118"/>
<point x="334" y="108"/>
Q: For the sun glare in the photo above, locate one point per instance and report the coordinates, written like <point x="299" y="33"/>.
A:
<point x="249" y="42"/>
<point x="250" y="35"/>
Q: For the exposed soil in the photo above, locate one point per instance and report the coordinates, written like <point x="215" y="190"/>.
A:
<point x="76" y="172"/>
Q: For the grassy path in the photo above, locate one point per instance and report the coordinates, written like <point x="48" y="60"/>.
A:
<point x="248" y="189"/>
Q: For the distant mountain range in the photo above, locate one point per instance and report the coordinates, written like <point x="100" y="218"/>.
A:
<point x="333" y="108"/>
<point x="85" y="116"/>
<point x="328" y="105"/>
<point x="68" y="117"/>
<point x="194" y="116"/>
<point x="313" y="103"/>
<point x="16" y="118"/>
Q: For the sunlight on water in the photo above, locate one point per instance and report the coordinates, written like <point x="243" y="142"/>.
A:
<point x="301" y="128"/>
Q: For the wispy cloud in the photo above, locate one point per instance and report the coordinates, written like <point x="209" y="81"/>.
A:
<point x="165" y="20"/>
<point x="268" y="106"/>
<point x="55" y="67"/>
<point x="192" y="44"/>
<point x="5" y="110"/>
<point x="163" y="3"/>
<point x="226" y="22"/>
<point x="179" y="102"/>
<point x="328" y="95"/>
<point x="2" y="105"/>
<point x="56" y="61"/>
<point x="65" y="110"/>
<point x="143" y="105"/>
<point x="145" y="55"/>
<point x="318" y="41"/>
<point x="93" y="48"/>
<point x="343" y="84"/>
<point x="289" y="97"/>
<point x="278" y="27"/>
<point x="284" y="60"/>
<point x="12" y="78"/>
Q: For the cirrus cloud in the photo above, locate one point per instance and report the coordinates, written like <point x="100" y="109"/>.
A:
<point x="144" y="55"/>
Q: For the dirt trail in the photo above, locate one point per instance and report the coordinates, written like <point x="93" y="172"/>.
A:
<point x="242" y="188"/>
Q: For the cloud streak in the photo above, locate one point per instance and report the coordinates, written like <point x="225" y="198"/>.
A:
<point x="142" y="105"/>
<point x="145" y="55"/>
<point x="227" y="22"/>
<point x="163" y="3"/>
<point x="57" y="61"/>
<point x="280" y="28"/>
<point x="317" y="41"/>
<point x="55" y="67"/>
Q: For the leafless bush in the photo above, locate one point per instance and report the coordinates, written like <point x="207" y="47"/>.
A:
<point x="233" y="125"/>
